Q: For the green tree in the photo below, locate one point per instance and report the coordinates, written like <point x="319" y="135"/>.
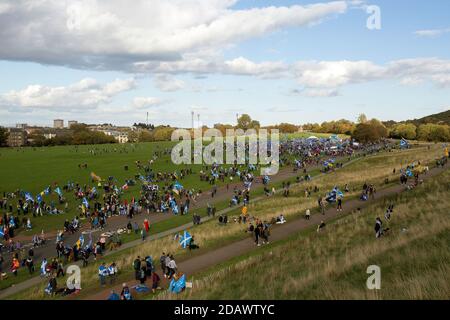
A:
<point x="3" y="136"/>
<point x="401" y="130"/>
<point x="362" y="118"/>
<point x="245" y="122"/>
<point x="433" y="132"/>
<point x="369" y="131"/>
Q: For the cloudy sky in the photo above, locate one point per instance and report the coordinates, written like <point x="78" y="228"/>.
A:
<point x="293" y="61"/>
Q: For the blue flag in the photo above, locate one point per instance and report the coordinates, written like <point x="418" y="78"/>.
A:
<point x="403" y="143"/>
<point x="39" y="198"/>
<point x="185" y="239"/>
<point x="85" y="202"/>
<point x="29" y="197"/>
<point x="177" y="286"/>
<point x="58" y="191"/>
<point x="81" y="240"/>
<point x="2" y="232"/>
<point x="177" y="186"/>
<point x="47" y="191"/>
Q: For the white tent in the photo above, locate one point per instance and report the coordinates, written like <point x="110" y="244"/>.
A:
<point x="313" y="138"/>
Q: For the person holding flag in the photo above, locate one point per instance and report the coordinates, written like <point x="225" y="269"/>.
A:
<point x="185" y="239"/>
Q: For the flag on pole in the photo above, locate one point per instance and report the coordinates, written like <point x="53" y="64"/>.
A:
<point x="404" y="143"/>
<point x="185" y="239"/>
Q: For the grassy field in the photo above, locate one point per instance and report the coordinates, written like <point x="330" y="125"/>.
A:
<point x="33" y="169"/>
<point x="381" y="166"/>
<point x="413" y="257"/>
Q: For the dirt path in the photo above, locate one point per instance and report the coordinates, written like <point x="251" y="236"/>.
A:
<point x="279" y="232"/>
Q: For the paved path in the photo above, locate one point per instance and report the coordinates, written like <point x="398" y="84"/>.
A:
<point x="279" y="232"/>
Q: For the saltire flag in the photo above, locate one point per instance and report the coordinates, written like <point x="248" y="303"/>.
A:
<point x="177" y="186"/>
<point x="142" y="288"/>
<point x="47" y="191"/>
<point x="58" y="191"/>
<point x="176" y="286"/>
<point x="39" y="198"/>
<point x="403" y="143"/>
<point x="185" y="239"/>
<point x="29" y="197"/>
<point x="85" y="202"/>
<point x="334" y="195"/>
<point x="81" y="239"/>
<point x="174" y="206"/>
<point x="409" y="173"/>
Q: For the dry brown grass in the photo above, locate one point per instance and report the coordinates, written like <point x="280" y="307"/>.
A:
<point x="416" y="263"/>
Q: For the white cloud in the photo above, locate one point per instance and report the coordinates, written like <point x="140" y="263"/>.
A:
<point x="116" y="35"/>
<point x="332" y="74"/>
<point x="320" y="93"/>
<point x="431" y="33"/>
<point x="146" y="102"/>
<point x="85" y="94"/>
<point x="314" y="75"/>
<point x="165" y="82"/>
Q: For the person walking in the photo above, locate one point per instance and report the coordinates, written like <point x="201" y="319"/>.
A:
<point x="307" y="214"/>
<point x="102" y="274"/>
<point x="339" y="204"/>
<point x="257" y="232"/>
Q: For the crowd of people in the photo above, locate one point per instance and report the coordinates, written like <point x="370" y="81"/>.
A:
<point x="162" y="192"/>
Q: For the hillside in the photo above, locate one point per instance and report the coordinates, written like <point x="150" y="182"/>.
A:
<point x="413" y="257"/>
<point x="438" y="118"/>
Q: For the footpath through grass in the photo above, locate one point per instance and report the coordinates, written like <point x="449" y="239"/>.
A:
<point x="413" y="256"/>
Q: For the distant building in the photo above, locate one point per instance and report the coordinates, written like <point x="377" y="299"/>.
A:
<point x="71" y="123"/>
<point x="49" y="135"/>
<point x="121" y="137"/>
<point x="17" y="137"/>
<point x="58" y="124"/>
<point x="21" y="125"/>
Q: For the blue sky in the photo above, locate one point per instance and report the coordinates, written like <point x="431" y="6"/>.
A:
<point x="279" y="61"/>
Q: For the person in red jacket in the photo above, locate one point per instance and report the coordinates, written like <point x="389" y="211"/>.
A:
<point x="146" y="225"/>
<point x="15" y="266"/>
